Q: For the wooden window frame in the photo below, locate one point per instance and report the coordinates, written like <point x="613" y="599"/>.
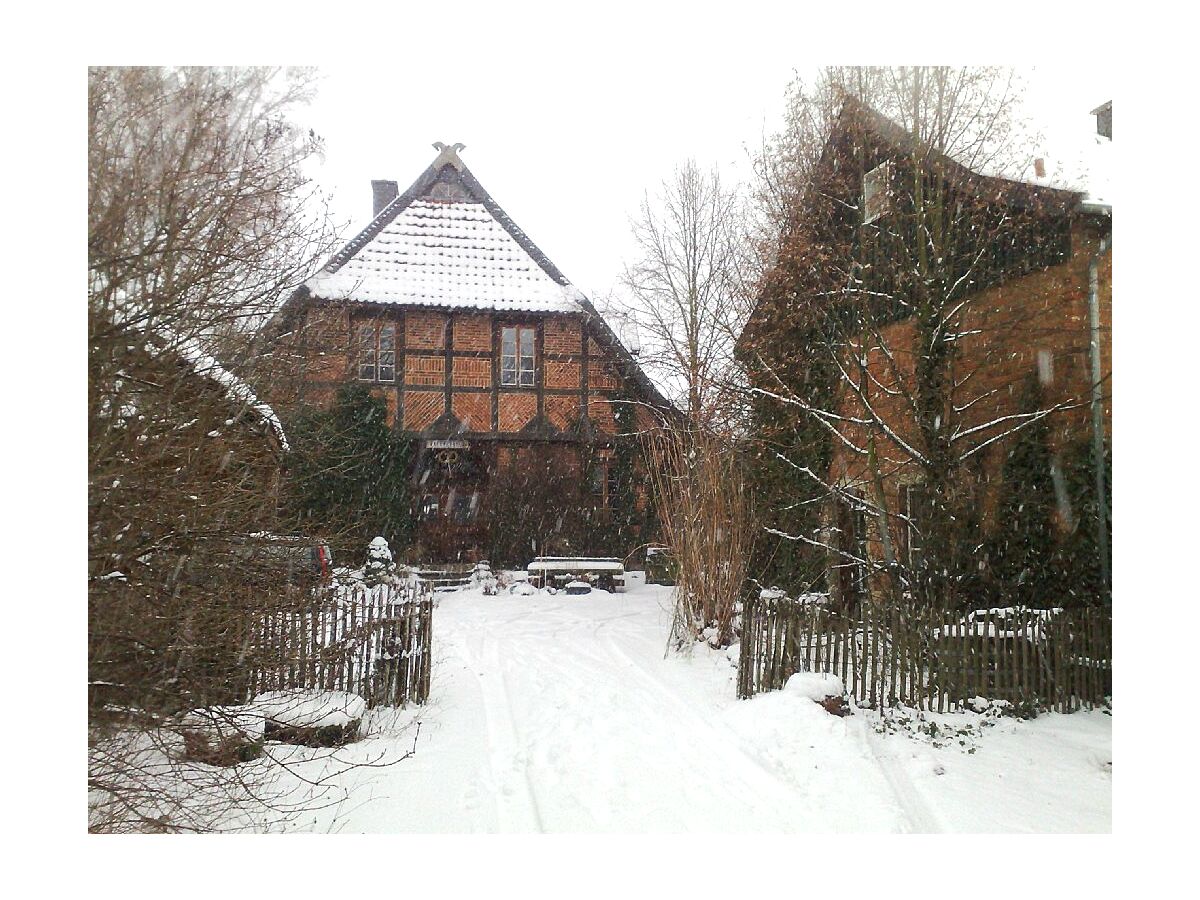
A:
<point x="877" y="192"/>
<point x="374" y="350"/>
<point x="603" y="484"/>
<point x="521" y="374"/>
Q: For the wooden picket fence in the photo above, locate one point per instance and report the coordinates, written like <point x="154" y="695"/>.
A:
<point x="372" y="641"/>
<point x="1034" y="659"/>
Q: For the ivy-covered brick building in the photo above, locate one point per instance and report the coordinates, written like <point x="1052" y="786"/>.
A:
<point x="944" y="333"/>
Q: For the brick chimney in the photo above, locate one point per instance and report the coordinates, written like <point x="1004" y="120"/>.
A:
<point x="383" y="193"/>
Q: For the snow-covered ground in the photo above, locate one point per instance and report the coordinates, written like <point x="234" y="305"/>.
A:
<point x="561" y="714"/>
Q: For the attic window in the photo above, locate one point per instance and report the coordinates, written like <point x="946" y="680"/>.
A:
<point x="877" y="198"/>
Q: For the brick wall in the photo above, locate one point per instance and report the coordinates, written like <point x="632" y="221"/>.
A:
<point x="472" y="332"/>
<point x="600" y="411"/>
<point x="563" y="374"/>
<point x="473" y="410"/>
<point x="516" y="410"/>
<point x="562" y="336"/>
<point x="602" y="374"/>
<point x="424" y="370"/>
<point x="327" y="362"/>
<point x="327" y="337"/>
<point x="421" y="408"/>
<point x="563" y="412"/>
<point x="1036" y="325"/>
<point x="471" y="372"/>
<point x="425" y="330"/>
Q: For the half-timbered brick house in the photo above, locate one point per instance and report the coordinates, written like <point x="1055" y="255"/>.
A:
<point x="482" y="349"/>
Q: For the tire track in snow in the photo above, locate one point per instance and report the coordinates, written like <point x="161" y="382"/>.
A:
<point x="738" y="767"/>
<point x="517" y="807"/>
<point x="919" y="814"/>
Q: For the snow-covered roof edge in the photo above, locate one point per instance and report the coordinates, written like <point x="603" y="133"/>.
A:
<point x="236" y="389"/>
<point x="1090" y="199"/>
<point x="205" y="365"/>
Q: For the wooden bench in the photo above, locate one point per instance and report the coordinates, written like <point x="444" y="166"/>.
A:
<point x="555" y="571"/>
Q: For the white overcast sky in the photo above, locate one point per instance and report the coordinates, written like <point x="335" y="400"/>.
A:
<point x="567" y="137"/>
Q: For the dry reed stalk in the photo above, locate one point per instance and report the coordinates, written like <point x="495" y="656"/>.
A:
<point x="706" y="518"/>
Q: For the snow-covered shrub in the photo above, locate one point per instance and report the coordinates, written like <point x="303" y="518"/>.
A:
<point x="379" y="566"/>
<point x="483" y="579"/>
<point x="822" y="688"/>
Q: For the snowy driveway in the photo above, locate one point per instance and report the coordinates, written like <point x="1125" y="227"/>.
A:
<point x="560" y="714"/>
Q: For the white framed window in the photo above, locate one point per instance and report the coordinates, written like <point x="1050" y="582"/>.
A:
<point x="375" y="346"/>
<point x="877" y="196"/>
<point x="517" y="356"/>
<point x="387" y="352"/>
<point x="914" y="506"/>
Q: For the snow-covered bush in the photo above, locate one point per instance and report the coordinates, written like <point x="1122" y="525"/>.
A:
<point x="379" y="566"/>
<point x="483" y="579"/>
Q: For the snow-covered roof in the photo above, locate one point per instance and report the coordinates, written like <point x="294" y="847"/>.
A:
<point x="235" y="388"/>
<point x="132" y="314"/>
<point x="444" y="242"/>
<point x="446" y="254"/>
<point x="1075" y="158"/>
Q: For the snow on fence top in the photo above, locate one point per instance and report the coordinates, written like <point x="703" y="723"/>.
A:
<point x="446" y="254"/>
<point x="1000" y="622"/>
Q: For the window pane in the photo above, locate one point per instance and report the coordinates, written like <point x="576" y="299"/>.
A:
<point x="387" y="373"/>
<point x="527" y="342"/>
<point x="387" y="337"/>
<point x="365" y="337"/>
<point x="508" y="343"/>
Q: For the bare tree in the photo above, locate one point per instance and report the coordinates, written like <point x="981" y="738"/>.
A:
<point x="685" y="286"/>
<point x="198" y="219"/>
